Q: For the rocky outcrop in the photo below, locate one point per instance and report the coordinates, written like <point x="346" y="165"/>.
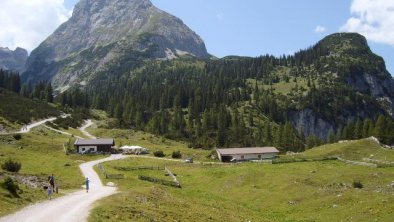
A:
<point x="378" y="87"/>
<point x="309" y="123"/>
<point x="13" y="60"/>
<point x="101" y="33"/>
<point x="359" y="67"/>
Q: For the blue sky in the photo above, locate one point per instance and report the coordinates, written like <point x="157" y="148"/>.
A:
<point x="257" y="27"/>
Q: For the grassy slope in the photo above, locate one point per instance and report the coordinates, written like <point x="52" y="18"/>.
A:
<point x="41" y="154"/>
<point x="320" y="191"/>
<point x="150" y="141"/>
<point x="281" y="87"/>
<point x="353" y="150"/>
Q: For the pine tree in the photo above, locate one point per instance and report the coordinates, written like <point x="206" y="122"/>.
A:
<point x="49" y="93"/>
<point x="367" y="128"/>
<point x="278" y="138"/>
<point x="221" y="133"/>
<point x="358" y="129"/>
<point x="380" y="128"/>
<point x="267" y="134"/>
<point x="331" y="136"/>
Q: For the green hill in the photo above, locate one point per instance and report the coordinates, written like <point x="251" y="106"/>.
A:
<point x="352" y="150"/>
<point x="16" y="110"/>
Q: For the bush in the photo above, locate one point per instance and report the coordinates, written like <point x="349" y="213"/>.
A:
<point x="9" y="185"/>
<point x="11" y="166"/>
<point x="176" y="154"/>
<point x="159" y="153"/>
<point x="357" y="184"/>
<point x="17" y="136"/>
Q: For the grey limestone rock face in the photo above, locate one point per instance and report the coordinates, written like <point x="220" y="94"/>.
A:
<point x="309" y="123"/>
<point x="13" y="60"/>
<point x="105" y="31"/>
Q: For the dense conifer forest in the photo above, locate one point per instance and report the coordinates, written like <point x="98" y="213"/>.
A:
<point x="233" y="101"/>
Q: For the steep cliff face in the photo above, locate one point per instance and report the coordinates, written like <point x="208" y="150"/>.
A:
<point x="309" y="123"/>
<point x="104" y="32"/>
<point x="13" y="60"/>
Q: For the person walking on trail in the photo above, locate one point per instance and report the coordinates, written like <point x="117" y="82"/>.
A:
<point x="87" y="184"/>
<point x="50" y="191"/>
<point x="51" y="180"/>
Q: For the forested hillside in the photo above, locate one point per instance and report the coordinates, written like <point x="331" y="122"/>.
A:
<point x="19" y="109"/>
<point x="319" y="94"/>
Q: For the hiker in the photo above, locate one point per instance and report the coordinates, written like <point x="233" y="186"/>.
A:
<point x="50" y="191"/>
<point x="51" y="180"/>
<point x="87" y="184"/>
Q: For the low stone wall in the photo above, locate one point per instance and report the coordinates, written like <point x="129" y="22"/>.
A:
<point x="358" y="163"/>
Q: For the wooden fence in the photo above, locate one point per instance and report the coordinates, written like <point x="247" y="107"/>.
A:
<point x="173" y="176"/>
<point x="109" y="176"/>
<point x="139" y="168"/>
<point x="159" y="181"/>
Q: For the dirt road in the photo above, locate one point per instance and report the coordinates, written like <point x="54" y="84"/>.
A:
<point x="83" y="128"/>
<point x="72" y="207"/>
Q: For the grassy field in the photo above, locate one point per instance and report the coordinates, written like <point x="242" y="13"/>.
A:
<point x="314" y="191"/>
<point x="41" y="154"/>
<point x="152" y="142"/>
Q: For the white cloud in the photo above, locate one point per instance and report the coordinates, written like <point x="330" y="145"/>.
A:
<point x="372" y="18"/>
<point x="320" y="29"/>
<point x="26" y="23"/>
<point x="220" y="16"/>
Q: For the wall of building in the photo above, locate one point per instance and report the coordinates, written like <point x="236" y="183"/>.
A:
<point x="241" y="157"/>
<point x="82" y="149"/>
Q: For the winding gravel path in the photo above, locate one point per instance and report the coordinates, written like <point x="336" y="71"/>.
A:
<point x="69" y="208"/>
<point x="83" y="128"/>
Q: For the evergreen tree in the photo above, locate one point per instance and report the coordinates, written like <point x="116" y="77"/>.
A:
<point x="358" y="129"/>
<point x="367" y="128"/>
<point x="49" y="93"/>
<point x="380" y="128"/>
<point x="331" y="136"/>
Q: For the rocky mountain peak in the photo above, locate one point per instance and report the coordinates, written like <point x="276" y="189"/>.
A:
<point x="13" y="60"/>
<point x="101" y="32"/>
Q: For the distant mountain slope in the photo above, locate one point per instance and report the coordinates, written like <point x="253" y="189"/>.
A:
<point x="105" y="32"/>
<point x="13" y="60"/>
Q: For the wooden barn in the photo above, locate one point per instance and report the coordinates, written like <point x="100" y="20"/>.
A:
<point x="247" y="154"/>
<point x="94" y="145"/>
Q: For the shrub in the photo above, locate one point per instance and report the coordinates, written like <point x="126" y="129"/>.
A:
<point x="17" y="136"/>
<point x="176" y="154"/>
<point x="357" y="184"/>
<point x="11" y="166"/>
<point x="9" y="185"/>
<point x="159" y="153"/>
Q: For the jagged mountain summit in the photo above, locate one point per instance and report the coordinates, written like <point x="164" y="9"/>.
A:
<point x="102" y="33"/>
<point x="13" y="60"/>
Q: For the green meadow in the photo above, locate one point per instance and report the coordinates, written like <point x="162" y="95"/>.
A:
<point x="313" y="191"/>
